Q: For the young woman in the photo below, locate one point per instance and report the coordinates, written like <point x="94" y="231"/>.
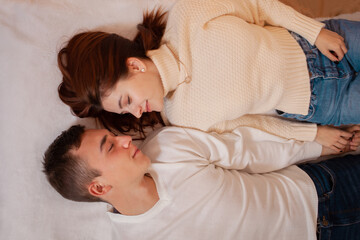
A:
<point x="216" y="65"/>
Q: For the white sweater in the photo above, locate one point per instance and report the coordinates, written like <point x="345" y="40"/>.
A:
<point x="207" y="191"/>
<point x="223" y="59"/>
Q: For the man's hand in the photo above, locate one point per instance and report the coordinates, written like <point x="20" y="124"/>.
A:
<point x="331" y="45"/>
<point x="334" y="138"/>
<point x="355" y="139"/>
<point x="328" y="151"/>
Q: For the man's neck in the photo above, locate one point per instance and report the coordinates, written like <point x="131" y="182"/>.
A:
<point x="136" y="200"/>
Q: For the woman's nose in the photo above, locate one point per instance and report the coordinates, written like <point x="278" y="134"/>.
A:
<point x="136" y="111"/>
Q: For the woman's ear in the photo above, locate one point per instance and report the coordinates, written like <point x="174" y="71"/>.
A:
<point x="98" y="189"/>
<point x="135" y="65"/>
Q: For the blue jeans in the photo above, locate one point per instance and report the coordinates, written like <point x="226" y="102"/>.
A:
<point x="335" y="86"/>
<point x="337" y="182"/>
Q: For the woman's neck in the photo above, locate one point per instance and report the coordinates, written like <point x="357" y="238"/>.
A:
<point x="135" y="200"/>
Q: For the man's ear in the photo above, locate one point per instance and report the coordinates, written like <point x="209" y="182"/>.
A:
<point x="98" y="189"/>
<point x="135" y="64"/>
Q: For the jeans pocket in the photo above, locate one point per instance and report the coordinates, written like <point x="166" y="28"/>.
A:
<point x="328" y="183"/>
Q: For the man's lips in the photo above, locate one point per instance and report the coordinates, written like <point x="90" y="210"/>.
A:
<point x="136" y="151"/>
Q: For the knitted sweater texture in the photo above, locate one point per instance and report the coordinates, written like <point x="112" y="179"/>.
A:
<point x="227" y="63"/>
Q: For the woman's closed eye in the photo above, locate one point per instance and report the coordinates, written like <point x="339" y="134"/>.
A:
<point x="126" y="103"/>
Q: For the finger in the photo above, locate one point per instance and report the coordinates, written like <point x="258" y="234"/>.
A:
<point x="355" y="141"/>
<point x="339" y="36"/>
<point x="339" y="145"/>
<point x="354" y="128"/>
<point x="343" y="47"/>
<point x="343" y="141"/>
<point x="354" y="144"/>
<point x="345" y="134"/>
<point x="355" y="138"/>
<point x="330" y="56"/>
<point x="356" y="135"/>
<point x="340" y="54"/>
<point x="347" y="149"/>
<point x="335" y="149"/>
<point x="352" y="148"/>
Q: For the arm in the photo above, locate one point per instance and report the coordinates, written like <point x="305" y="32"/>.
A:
<point x="255" y="151"/>
<point x="331" y="137"/>
<point x="275" y="13"/>
<point x="271" y="124"/>
<point x="245" y="149"/>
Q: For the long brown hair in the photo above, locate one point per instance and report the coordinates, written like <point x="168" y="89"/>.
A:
<point x="92" y="62"/>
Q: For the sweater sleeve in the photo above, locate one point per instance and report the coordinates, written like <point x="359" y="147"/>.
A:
<point x="275" y="13"/>
<point x="271" y="124"/>
<point x="252" y="150"/>
<point x="245" y="148"/>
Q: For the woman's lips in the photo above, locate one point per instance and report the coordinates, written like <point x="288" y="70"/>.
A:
<point x="148" y="109"/>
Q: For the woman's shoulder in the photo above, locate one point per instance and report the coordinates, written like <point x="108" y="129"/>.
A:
<point x="197" y="9"/>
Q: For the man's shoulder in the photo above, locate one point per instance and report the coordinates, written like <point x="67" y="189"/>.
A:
<point x="174" y="142"/>
<point x="168" y="134"/>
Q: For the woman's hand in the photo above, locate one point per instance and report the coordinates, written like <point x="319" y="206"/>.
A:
<point x="331" y="45"/>
<point x="334" y="138"/>
<point x="355" y="139"/>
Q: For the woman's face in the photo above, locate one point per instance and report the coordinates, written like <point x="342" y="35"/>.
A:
<point x="139" y="92"/>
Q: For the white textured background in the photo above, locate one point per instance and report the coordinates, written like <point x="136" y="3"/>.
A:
<point x="32" y="115"/>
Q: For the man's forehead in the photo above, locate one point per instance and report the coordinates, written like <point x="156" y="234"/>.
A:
<point x="94" y="133"/>
<point x="92" y="139"/>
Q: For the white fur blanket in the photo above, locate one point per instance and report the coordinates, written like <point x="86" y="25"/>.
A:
<point x="32" y="115"/>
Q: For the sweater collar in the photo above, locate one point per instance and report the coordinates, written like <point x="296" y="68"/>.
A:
<point x="168" y="67"/>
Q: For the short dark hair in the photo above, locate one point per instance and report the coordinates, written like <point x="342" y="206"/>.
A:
<point x="65" y="171"/>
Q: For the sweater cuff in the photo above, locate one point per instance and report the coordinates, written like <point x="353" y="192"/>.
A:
<point x="307" y="27"/>
<point x="304" y="132"/>
<point x="312" y="150"/>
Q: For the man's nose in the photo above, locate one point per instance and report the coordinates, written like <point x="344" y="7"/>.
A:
<point x="124" y="141"/>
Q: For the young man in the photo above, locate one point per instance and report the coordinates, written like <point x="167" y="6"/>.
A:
<point x="208" y="186"/>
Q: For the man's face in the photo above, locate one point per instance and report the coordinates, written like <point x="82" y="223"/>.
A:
<point x="120" y="162"/>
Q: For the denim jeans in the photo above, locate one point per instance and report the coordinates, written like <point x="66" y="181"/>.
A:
<point x="337" y="182"/>
<point x="335" y="86"/>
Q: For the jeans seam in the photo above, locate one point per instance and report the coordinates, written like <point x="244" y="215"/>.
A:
<point x="331" y="176"/>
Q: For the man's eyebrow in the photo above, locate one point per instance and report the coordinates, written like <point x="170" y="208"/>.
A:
<point x="103" y="140"/>
<point x="120" y="102"/>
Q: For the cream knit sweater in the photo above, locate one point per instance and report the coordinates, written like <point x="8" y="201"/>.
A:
<point x="226" y="63"/>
